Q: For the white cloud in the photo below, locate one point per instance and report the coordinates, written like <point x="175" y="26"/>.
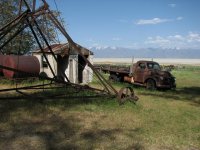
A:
<point x="176" y="37"/>
<point x="179" y="18"/>
<point x="172" y="5"/>
<point x="152" y="21"/>
<point x="157" y="21"/>
<point x="193" y="37"/>
<point x="191" y="40"/>
<point x="100" y="47"/>
<point x="158" y="40"/>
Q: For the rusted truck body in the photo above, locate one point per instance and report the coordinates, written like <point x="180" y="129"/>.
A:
<point x="143" y="73"/>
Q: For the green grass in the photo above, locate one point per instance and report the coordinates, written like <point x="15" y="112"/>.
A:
<point x="159" y="120"/>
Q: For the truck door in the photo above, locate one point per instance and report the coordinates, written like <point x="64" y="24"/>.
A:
<point x="140" y="71"/>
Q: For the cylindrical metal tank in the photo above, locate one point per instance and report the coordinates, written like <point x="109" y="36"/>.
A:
<point x="1" y="63"/>
<point x="2" y="57"/>
<point x="28" y="64"/>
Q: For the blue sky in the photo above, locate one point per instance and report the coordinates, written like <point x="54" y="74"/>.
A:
<point x="132" y="23"/>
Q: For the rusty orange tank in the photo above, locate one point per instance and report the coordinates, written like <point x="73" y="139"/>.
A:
<point x="29" y="64"/>
<point x="1" y="63"/>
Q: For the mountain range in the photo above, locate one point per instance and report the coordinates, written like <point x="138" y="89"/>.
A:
<point x="121" y="52"/>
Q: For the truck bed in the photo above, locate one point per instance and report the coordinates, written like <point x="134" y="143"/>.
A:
<point x="113" y="69"/>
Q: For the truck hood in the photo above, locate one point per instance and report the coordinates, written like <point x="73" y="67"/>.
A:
<point x="163" y="73"/>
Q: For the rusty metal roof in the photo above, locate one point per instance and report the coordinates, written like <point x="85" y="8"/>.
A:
<point x="62" y="49"/>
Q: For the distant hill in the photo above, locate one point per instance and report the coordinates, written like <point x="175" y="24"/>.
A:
<point x="120" y="52"/>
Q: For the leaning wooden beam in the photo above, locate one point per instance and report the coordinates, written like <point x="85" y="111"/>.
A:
<point x="24" y="88"/>
<point x="6" y="30"/>
<point x="12" y="37"/>
<point x="16" y="20"/>
<point x="34" y="3"/>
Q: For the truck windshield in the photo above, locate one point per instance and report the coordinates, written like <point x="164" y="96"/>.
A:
<point x="153" y="66"/>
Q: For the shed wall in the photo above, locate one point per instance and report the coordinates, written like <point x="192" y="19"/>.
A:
<point x="71" y="70"/>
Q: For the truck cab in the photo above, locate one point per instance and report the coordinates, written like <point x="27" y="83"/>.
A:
<point x="149" y="74"/>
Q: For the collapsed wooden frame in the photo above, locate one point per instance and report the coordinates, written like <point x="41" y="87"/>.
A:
<point x="28" y="19"/>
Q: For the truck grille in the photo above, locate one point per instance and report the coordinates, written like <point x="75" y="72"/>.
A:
<point x="169" y="81"/>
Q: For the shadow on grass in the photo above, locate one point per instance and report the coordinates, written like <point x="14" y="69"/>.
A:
<point x="191" y="94"/>
<point x="55" y="132"/>
<point x="32" y="124"/>
<point x="110" y="135"/>
<point x="42" y="133"/>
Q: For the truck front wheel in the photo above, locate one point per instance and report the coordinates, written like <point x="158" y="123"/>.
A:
<point x="151" y="84"/>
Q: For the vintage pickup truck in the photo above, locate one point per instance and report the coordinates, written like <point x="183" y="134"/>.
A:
<point x="143" y="73"/>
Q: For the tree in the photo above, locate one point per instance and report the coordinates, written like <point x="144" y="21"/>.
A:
<point x="24" y="42"/>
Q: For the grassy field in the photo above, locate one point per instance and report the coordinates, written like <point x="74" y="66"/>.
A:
<point x="165" y="120"/>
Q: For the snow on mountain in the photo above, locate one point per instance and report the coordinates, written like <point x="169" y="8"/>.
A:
<point x="121" y="52"/>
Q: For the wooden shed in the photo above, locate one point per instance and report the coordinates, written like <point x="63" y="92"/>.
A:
<point x="69" y="61"/>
